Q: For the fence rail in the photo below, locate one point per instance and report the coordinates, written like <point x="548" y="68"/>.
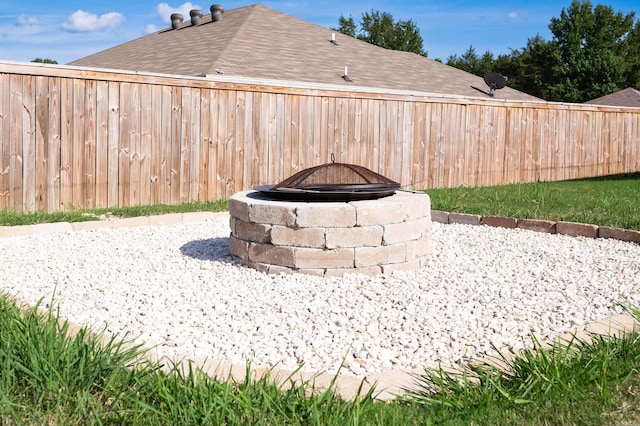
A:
<point x="73" y="138"/>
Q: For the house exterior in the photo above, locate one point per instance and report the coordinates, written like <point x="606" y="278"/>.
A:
<point x="262" y="43"/>
<point x="628" y="97"/>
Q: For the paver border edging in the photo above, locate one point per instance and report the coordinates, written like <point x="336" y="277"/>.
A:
<point x="560" y="227"/>
<point x="112" y="223"/>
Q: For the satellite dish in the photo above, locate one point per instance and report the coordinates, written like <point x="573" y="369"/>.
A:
<point x="495" y="81"/>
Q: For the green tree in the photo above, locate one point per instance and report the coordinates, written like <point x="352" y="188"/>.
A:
<point x="44" y="61"/>
<point x="347" y="26"/>
<point x="532" y="69"/>
<point x="632" y="56"/>
<point x="590" y="52"/>
<point x="470" y="62"/>
<point x="379" y="28"/>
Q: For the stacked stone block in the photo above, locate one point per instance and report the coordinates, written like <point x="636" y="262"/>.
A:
<point x="330" y="238"/>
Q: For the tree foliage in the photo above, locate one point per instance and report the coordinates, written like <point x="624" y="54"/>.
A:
<point x="380" y="29"/>
<point x="594" y="51"/>
<point x="590" y="49"/>
<point x="471" y="62"/>
<point x="44" y="61"/>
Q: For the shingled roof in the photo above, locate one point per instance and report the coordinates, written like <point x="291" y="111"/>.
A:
<point x="628" y="97"/>
<point x="259" y="42"/>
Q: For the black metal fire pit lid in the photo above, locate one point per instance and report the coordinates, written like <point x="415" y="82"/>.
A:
<point x="332" y="182"/>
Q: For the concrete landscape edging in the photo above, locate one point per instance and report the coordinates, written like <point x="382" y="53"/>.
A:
<point x="551" y="227"/>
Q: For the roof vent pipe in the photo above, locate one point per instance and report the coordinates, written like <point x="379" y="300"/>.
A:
<point x="176" y="20"/>
<point x="196" y="16"/>
<point x="216" y="12"/>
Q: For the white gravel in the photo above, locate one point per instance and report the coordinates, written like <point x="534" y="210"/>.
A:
<point x="177" y="288"/>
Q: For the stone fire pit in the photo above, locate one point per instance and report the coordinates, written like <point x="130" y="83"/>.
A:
<point x="330" y="238"/>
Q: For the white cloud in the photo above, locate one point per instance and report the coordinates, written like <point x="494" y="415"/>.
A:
<point x="150" y="28"/>
<point x="81" y="21"/>
<point x="28" y="20"/>
<point x="165" y="11"/>
<point x="513" y="15"/>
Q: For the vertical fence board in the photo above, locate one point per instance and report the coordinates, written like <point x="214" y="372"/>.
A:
<point x="375" y="135"/>
<point x="354" y="130"/>
<point x="527" y="171"/>
<point x="102" y="144"/>
<point x="221" y="142"/>
<point x="175" y="164"/>
<point x="539" y="146"/>
<point x="571" y="147"/>
<point x="205" y="139"/>
<point x="383" y="138"/>
<point x="331" y="128"/>
<point x="89" y="148"/>
<point x="247" y="157"/>
<point x="134" y="106"/>
<point x="420" y="146"/>
<point x="124" y="148"/>
<point x="306" y="134"/>
<point x="53" y="167"/>
<point x="157" y="142"/>
<point x="316" y="125"/>
<point x="450" y="138"/>
<point x="5" y="138"/>
<point x="289" y="154"/>
<point x="257" y="140"/>
<point x="29" y="164"/>
<point x="41" y="126"/>
<point x="15" y="145"/>
<point x="113" y="147"/>
<point x="435" y="146"/>
<point x="630" y="151"/>
<point x="146" y="131"/>
<point x="66" y="143"/>
<point x="474" y="153"/>
<point x="325" y="129"/>
<point x="212" y="148"/>
<point x="472" y="120"/>
<point x="194" y="146"/>
<point x="164" y="146"/>
<point x="230" y="144"/>
<point x="362" y="133"/>
<point x="277" y="146"/>
<point x="616" y="148"/>
<point x="264" y="147"/>
<point x="78" y="183"/>
<point x="409" y="113"/>
<point x="239" y="141"/>
<point x="337" y="147"/>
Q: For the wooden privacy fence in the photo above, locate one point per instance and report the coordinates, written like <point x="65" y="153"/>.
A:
<point x="73" y="138"/>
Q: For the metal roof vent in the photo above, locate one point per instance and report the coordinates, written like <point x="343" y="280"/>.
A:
<point x="346" y="74"/>
<point x="176" y="20"/>
<point x="196" y="16"/>
<point x="216" y="12"/>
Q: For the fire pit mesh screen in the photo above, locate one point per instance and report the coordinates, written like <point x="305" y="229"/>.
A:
<point x="336" y="176"/>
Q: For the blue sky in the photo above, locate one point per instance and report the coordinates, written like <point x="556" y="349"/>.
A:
<point x="71" y="29"/>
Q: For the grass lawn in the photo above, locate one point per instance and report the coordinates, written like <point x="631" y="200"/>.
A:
<point x="52" y="377"/>
<point x="611" y="201"/>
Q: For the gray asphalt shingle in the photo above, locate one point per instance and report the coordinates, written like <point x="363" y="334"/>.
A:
<point x="258" y="42"/>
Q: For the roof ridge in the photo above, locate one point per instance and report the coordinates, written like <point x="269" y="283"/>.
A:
<point x="251" y="16"/>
